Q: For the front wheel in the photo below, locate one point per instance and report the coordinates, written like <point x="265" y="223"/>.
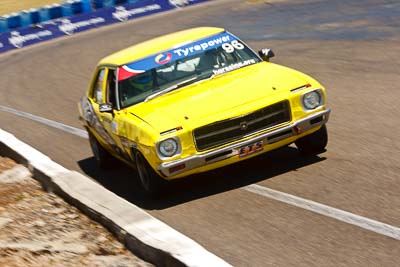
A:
<point x="103" y="158"/>
<point x="150" y="181"/>
<point x="313" y="143"/>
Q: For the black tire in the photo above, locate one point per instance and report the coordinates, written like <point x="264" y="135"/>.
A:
<point x="103" y="158"/>
<point x="150" y="181"/>
<point x="313" y="143"/>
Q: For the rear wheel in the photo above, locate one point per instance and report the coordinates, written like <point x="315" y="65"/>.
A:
<point x="150" y="181"/>
<point x="103" y="158"/>
<point x="313" y="143"/>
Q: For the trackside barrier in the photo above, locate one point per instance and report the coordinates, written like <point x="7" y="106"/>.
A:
<point x="3" y="25"/>
<point x="13" y="20"/>
<point x="48" y="30"/>
<point x="109" y="3"/>
<point x="49" y="12"/>
<point x="26" y="19"/>
<point x="44" y="14"/>
<point x="55" y="11"/>
<point x="35" y="16"/>
<point x="103" y="3"/>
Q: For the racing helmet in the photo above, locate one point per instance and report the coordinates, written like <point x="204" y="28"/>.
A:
<point x="142" y="82"/>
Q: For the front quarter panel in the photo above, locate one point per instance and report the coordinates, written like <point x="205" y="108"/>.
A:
<point x="136" y="134"/>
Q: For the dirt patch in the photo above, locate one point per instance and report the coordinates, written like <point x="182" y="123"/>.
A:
<point x="41" y="229"/>
<point x="6" y="163"/>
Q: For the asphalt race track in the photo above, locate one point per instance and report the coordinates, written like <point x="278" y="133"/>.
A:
<point x="352" y="47"/>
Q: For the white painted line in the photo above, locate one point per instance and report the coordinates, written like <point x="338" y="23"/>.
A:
<point x="341" y="215"/>
<point x="54" y="124"/>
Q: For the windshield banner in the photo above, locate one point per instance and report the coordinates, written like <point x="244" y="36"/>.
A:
<point x="21" y="37"/>
<point x="186" y="50"/>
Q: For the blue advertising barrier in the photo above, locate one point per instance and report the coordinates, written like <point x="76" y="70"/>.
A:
<point x="26" y="19"/>
<point x="13" y="20"/>
<point x="72" y="7"/>
<point x="103" y="3"/>
<point x="3" y="25"/>
<point x="35" y="17"/>
<point x="108" y="3"/>
<point x="48" y="30"/>
<point x="55" y="11"/>
<point x="43" y="14"/>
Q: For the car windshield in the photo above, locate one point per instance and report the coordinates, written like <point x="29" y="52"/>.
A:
<point x="159" y="74"/>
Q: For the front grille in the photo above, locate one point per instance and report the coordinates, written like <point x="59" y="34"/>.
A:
<point x="223" y="132"/>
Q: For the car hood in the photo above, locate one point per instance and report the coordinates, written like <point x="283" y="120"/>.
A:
<point x="227" y="95"/>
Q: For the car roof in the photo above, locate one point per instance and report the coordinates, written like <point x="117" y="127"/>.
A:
<point x="158" y="44"/>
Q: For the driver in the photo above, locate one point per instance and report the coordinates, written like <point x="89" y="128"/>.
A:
<point x="141" y="83"/>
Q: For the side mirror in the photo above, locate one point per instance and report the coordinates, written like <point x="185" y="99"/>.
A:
<point x="266" y="54"/>
<point x="106" y="107"/>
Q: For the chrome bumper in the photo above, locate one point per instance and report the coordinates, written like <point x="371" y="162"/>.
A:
<point x="175" y="167"/>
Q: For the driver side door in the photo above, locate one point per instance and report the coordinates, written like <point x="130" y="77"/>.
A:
<point x="103" y="121"/>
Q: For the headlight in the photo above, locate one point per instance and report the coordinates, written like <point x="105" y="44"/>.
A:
<point x="168" y="147"/>
<point x="312" y="100"/>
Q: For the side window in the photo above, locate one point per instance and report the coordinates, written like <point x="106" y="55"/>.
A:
<point x="98" y="86"/>
<point x="111" y="98"/>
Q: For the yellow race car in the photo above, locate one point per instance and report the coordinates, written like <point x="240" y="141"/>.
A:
<point x="197" y="100"/>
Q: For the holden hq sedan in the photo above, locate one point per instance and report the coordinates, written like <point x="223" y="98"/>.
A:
<point x="197" y="100"/>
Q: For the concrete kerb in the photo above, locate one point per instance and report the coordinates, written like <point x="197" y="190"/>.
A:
<point x="144" y="235"/>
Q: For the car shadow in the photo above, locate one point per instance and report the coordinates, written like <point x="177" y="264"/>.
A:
<point x="123" y="181"/>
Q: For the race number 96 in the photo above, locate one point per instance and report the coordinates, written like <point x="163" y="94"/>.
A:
<point x="230" y="47"/>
